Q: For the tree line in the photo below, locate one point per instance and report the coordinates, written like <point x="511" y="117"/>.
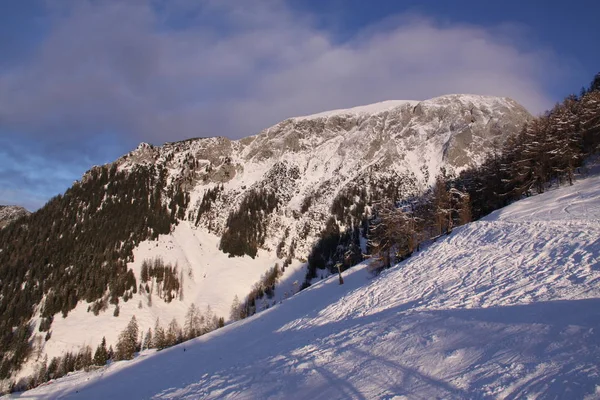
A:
<point x="246" y="227"/>
<point x="130" y="342"/>
<point x="265" y="287"/>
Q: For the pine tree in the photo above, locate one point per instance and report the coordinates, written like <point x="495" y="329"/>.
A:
<point x="101" y="355"/>
<point x="209" y="320"/>
<point x="236" y="306"/>
<point x="144" y="276"/>
<point x="193" y="323"/>
<point x="380" y="236"/>
<point x="148" y="344"/>
<point x="464" y="209"/>
<point x="159" y="341"/>
<point x="111" y="353"/>
<point x="128" y="341"/>
<point x="174" y="333"/>
<point x="566" y="131"/>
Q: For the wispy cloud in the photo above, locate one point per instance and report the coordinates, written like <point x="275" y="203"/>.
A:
<point x="168" y="70"/>
<point x="158" y="70"/>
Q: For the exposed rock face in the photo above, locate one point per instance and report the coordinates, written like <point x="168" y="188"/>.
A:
<point x="9" y="214"/>
<point x="307" y="161"/>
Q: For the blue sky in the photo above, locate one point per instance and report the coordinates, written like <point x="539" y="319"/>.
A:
<point x="84" y="81"/>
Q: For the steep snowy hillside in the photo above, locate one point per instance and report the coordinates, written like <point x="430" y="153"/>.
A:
<point x="305" y="164"/>
<point x="507" y="307"/>
<point x="11" y="213"/>
<point x="210" y="279"/>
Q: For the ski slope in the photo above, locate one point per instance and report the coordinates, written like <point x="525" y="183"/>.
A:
<point x="507" y="307"/>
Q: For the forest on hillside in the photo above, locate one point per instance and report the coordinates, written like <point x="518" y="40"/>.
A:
<point x="548" y="151"/>
<point x="75" y="248"/>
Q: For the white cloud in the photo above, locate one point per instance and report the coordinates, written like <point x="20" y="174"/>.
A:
<point x="232" y="68"/>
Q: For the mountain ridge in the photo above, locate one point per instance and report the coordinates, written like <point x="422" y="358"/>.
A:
<point x="411" y="141"/>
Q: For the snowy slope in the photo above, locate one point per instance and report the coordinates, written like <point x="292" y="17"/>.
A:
<point x="210" y="278"/>
<point x="507" y="307"/>
<point x="305" y="160"/>
<point x="369" y="109"/>
<point x="318" y="156"/>
<point x="314" y="157"/>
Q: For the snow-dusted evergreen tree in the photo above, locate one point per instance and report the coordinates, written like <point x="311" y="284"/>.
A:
<point x="380" y="238"/>
<point x="101" y="354"/>
<point x="174" y="333"/>
<point x="210" y="320"/>
<point x="538" y="150"/>
<point x="128" y="341"/>
<point x="590" y="120"/>
<point x="566" y="131"/>
<point x="159" y="341"/>
<point x="464" y="208"/>
<point x="193" y="322"/>
<point x="235" y="313"/>
<point x="148" y="340"/>
<point x="392" y="233"/>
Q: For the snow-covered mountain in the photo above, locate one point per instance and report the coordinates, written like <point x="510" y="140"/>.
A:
<point x="308" y="161"/>
<point x="305" y="164"/>
<point x="9" y="214"/>
<point x="506" y="307"/>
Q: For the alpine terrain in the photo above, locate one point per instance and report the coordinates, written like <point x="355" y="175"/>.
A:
<point x="506" y="307"/>
<point x="192" y="228"/>
<point x="367" y="212"/>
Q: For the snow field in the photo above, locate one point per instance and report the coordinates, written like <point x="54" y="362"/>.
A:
<point x="507" y="307"/>
<point x="210" y="277"/>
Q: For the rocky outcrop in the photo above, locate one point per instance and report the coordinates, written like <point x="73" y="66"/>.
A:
<point x="9" y="214"/>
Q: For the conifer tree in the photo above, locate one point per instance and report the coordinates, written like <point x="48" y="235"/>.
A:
<point x="159" y="341"/>
<point x="148" y="344"/>
<point x="235" y="313"/>
<point x="111" y="353"/>
<point x="174" y="333"/>
<point x="193" y="323"/>
<point x="101" y="354"/>
<point x="128" y="341"/>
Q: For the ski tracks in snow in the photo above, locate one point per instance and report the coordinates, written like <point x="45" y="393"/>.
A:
<point x="507" y="307"/>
